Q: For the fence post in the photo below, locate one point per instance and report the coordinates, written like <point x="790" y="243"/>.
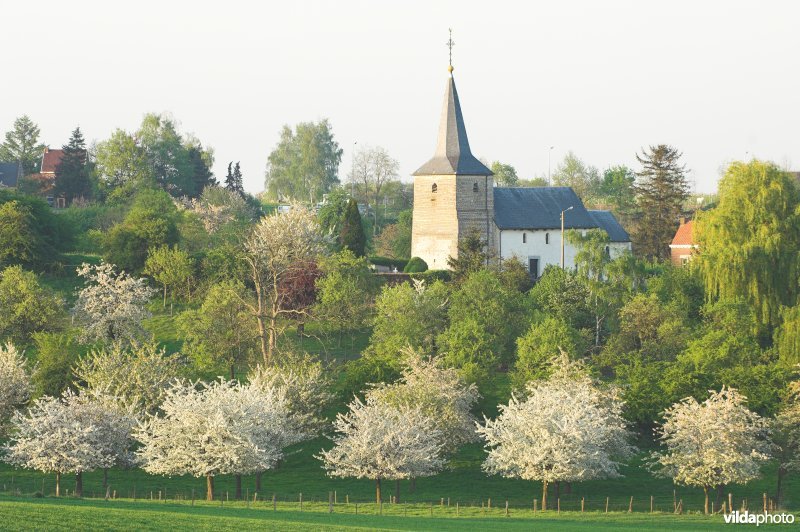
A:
<point x="301" y="502"/>
<point x="651" y="504"/>
<point x="558" y="505"/>
<point x="506" y="508"/>
<point x="534" y="505"/>
<point x="606" y="504"/>
<point x="582" y="504"/>
<point x="765" y="502"/>
<point x="330" y="502"/>
<point x="730" y="502"/>
<point x="192" y="496"/>
<point x="456" y="508"/>
<point x="630" y="505"/>
<point x="274" y="504"/>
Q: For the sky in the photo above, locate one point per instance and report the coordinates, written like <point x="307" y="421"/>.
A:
<point x="719" y="80"/>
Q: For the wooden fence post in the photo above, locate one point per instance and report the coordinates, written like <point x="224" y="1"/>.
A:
<point x="582" y="504"/>
<point x="651" y="504"/>
<point x="456" y="508"/>
<point x="765" y="502"/>
<point x="274" y="504"/>
<point x="192" y="496"/>
<point x="606" y="504"/>
<point x="534" y="505"/>
<point x="330" y="502"/>
<point x="558" y="505"/>
<point x="506" y="508"/>
<point x="630" y="505"/>
<point x="301" y="502"/>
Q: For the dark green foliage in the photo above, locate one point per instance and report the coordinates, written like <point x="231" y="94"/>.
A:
<point x="233" y="181"/>
<point x="515" y="276"/>
<point x="361" y="372"/>
<point x="433" y="275"/>
<point x="395" y="239"/>
<point x="400" y="264"/>
<point x="352" y="234"/>
<point x="30" y="234"/>
<point x="202" y="176"/>
<point x="563" y="295"/>
<point x="617" y="191"/>
<point x="72" y="173"/>
<point x="416" y="265"/>
<point x="546" y="339"/>
<point x="151" y="222"/>
<point x="27" y="307"/>
<point x="56" y="355"/>
<point x="473" y="256"/>
<point x="660" y="193"/>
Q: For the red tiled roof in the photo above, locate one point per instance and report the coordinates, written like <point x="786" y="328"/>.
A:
<point x="683" y="237"/>
<point x="50" y="160"/>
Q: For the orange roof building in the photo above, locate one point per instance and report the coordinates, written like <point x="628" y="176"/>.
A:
<point x="682" y="244"/>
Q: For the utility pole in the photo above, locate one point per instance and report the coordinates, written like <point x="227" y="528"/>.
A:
<point x="562" y="235"/>
<point x="353" y="171"/>
<point x="549" y="153"/>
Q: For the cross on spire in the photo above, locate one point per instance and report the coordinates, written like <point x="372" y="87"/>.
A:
<point x="450" y="45"/>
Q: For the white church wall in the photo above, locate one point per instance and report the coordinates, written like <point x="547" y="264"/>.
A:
<point x="544" y="245"/>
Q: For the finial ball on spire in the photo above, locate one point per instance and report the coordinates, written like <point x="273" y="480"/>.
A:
<point x="450" y="68"/>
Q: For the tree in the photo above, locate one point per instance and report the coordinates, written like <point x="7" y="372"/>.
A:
<point x="331" y="213"/>
<point x="591" y="262"/>
<point x="222" y="333"/>
<point x="787" y="336"/>
<point x="750" y="242"/>
<point x="378" y="441"/>
<point x="582" y="178"/>
<point x="136" y="376"/>
<point x="22" y="144"/>
<point x="408" y="315"/>
<point x="15" y="381"/>
<point x="19" y="240"/>
<point x="121" y="161"/>
<point x="305" y="163"/>
<point x="56" y="355"/>
<point x="660" y="193"/>
<point x="373" y="168"/>
<point x="73" y="434"/>
<point x="215" y="429"/>
<point x="201" y="160"/>
<point x="713" y="443"/>
<point x="786" y="436"/>
<point x="72" y="174"/>
<point x="26" y="306"/>
<point x="617" y="189"/>
<point x="505" y="175"/>
<point x="395" y="239"/>
<point x="531" y="440"/>
<point x="233" y="181"/>
<point x="473" y="255"/>
<point x="351" y="235"/>
<point x="166" y="155"/>
<point x="547" y="338"/>
<point x="277" y="247"/>
<point x="112" y="305"/>
<point x="346" y="291"/>
<point x="563" y="294"/>
<point x="170" y="267"/>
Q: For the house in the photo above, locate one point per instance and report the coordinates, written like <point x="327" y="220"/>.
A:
<point x="454" y="193"/>
<point x="683" y="243"/>
<point x="10" y="174"/>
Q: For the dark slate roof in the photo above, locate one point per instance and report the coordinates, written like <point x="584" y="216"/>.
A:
<point x="9" y="174"/>
<point x="606" y="220"/>
<point x="453" y="155"/>
<point x="539" y="208"/>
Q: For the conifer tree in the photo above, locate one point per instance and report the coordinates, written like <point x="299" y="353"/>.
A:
<point x="660" y="193"/>
<point x="22" y="144"/>
<point x="233" y="181"/>
<point x="202" y="174"/>
<point x="352" y="235"/>
<point x="72" y="175"/>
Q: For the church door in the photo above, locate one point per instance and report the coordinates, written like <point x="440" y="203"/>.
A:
<point x="533" y="268"/>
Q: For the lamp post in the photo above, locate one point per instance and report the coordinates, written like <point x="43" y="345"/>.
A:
<point x="549" y="153"/>
<point x="562" y="235"/>
<point x="353" y="171"/>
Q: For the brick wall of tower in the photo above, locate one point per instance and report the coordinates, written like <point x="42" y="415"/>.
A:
<point x="442" y="217"/>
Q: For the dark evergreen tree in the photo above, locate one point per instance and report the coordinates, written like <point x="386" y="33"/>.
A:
<point x="352" y="235"/>
<point x="72" y="174"/>
<point x="472" y="256"/>
<point x="201" y="173"/>
<point x="660" y="193"/>
<point x="233" y="181"/>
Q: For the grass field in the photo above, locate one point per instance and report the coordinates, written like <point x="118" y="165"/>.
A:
<point x="49" y="514"/>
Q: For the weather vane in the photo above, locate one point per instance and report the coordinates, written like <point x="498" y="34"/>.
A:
<point x="450" y="45"/>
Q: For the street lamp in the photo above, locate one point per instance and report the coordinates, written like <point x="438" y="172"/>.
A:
<point x="549" y="152"/>
<point x="353" y="171"/>
<point x="562" y="235"/>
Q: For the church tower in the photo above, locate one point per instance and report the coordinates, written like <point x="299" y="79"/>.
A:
<point x="453" y="192"/>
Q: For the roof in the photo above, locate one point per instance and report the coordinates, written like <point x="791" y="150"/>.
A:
<point x="606" y="220"/>
<point x="540" y="208"/>
<point x="50" y="160"/>
<point x="453" y="156"/>
<point x="683" y="236"/>
<point x="10" y="174"/>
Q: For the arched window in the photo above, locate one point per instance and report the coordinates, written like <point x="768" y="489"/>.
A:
<point x="524" y="238"/>
<point x="475" y="187"/>
<point x="547" y="238"/>
<point x="434" y="188"/>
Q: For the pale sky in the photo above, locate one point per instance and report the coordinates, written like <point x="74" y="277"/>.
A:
<point x="719" y="80"/>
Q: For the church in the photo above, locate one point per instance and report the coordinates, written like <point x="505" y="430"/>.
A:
<point x="454" y="194"/>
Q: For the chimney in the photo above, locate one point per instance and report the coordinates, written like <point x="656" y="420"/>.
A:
<point x="683" y="220"/>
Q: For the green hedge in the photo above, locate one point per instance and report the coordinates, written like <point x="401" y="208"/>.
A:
<point x="432" y="275"/>
<point x="400" y="264"/>
<point x="415" y="265"/>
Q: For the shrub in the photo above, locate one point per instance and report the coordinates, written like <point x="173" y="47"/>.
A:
<point x="400" y="264"/>
<point x="416" y="265"/>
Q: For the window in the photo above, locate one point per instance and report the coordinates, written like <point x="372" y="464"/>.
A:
<point x="475" y="187"/>
<point x="434" y="188"/>
<point x="524" y="238"/>
<point x="547" y="238"/>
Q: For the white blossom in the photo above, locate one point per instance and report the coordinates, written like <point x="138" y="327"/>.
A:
<point x="15" y="381"/>
<point x="380" y="441"/>
<point x="306" y="385"/>
<point x="216" y="429"/>
<point x="568" y="429"/>
<point x="73" y="434"/>
<point x="138" y="375"/>
<point x="716" y="442"/>
<point x="112" y="305"/>
<point x="441" y="394"/>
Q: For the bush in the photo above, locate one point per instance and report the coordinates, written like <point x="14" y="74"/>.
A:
<point x="400" y="264"/>
<point x="416" y="265"/>
<point x="433" y="275"/>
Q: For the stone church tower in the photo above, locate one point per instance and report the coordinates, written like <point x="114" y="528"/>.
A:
<point x="453" y="192"/>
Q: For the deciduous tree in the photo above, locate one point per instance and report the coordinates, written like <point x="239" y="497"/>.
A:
<point x="15" y="381"/>
<point x="26" y="306"/>
<point x="170" y="267"/>
<point x="22" y="144"/>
